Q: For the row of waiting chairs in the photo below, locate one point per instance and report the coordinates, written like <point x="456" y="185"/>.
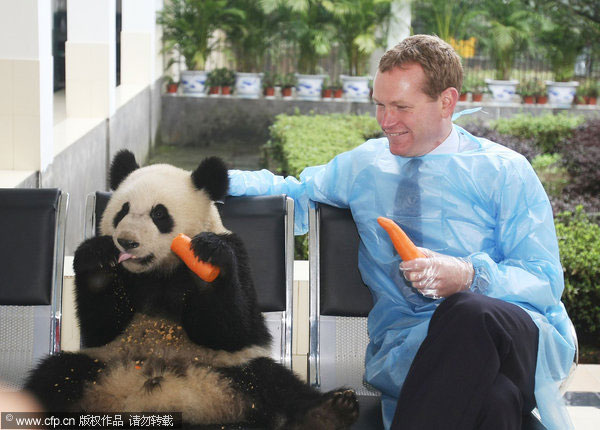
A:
<point x="32" y="225"/>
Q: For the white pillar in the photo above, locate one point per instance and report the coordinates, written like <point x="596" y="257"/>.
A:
<point x="138" y="42"/>
<point x="26" y="85"/>
<point x="90" y="58"/>
<point x="399" y="29"/>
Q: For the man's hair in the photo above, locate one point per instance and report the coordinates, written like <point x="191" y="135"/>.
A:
<point x="440" y="62"/>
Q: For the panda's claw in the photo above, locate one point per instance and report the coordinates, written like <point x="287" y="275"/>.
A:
<point x="211" y="247"/>
<point x="97" y="254"/>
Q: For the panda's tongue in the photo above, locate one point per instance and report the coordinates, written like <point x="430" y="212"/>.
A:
<point x="124" y="256"/>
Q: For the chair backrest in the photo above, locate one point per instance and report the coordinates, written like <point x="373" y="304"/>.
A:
<point x="265" y="224"/>
<point x="339" y="302"/>
<point x="32" y="227"/>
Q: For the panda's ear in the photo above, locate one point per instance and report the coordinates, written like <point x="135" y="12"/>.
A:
<point x="122" y="165"/>
<point x="212" y="177"/>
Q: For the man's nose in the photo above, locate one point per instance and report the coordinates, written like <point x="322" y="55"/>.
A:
<point x="387" y="119"/>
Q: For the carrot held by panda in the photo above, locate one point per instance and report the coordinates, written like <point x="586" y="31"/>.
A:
<point x="181" y="246"/>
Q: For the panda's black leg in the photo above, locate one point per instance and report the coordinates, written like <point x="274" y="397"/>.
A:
<point x="58" y="381"/>
<point x="103" y="306"/>
<point x="281" y="400"/>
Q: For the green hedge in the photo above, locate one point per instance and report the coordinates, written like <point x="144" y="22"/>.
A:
<point x="299" y="141"/>
<point x="547" y="130"/>
<point x="579" y="244"/>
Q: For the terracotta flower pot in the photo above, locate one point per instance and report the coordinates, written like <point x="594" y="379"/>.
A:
<point x="541" y="100"/>
<point x="327" y="93"/>
<point x="591" y="100"/>
<point x="286" y="92"/>
<point x="462" y="97"/>
<point x="337" y="94"/>
<point x="226" y="91"/>
<point x="213" y="90"/>
<point x="172" y="88"/>
<point x="529" y="100"/>
<point x="269" y="92"/>
<point x="477" y="97"/>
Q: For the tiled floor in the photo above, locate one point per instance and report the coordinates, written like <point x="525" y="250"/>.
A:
<point x="583" y="397"/>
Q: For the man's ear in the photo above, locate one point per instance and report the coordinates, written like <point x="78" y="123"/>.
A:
<point x="449" y="98"/>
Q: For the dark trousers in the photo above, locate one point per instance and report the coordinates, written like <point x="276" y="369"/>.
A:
<point x="474" y="370"/>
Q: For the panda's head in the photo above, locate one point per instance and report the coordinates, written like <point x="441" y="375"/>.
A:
<point x="151" y="205"/>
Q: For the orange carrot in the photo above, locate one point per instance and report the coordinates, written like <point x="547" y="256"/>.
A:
<point x="181" y="246"/>
<point x="406" y="249"/>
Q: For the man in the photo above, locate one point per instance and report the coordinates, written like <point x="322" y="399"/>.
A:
<point x="461" y="339"/>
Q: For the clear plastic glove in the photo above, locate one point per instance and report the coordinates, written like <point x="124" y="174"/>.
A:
<point x="438" y="275"/>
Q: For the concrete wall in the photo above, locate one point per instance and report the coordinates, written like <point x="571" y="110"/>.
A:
<point x="202" y="120"/>
<point x="82" y="167"/>
<point x="79" y="170"/>
<point x="130" y="127"/>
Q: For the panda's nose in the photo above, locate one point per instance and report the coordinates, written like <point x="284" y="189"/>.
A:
<point x="128" y="244"/>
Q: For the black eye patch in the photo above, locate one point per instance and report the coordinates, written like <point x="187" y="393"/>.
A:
<point x="121" y="214"/>
<point x="162" y="219"/>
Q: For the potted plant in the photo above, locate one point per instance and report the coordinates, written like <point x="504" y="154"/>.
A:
<point x="510" y="29"/>
<point x="590" y="89"/>
<point x="562" y="42"/>
<point x="464" y="91"/>
<point x="264" y="24"/>
<point x="309" y="29"/>
<point x="356" y="22"/>
<point x="288" y="81"/>
<point x="212" y="82"/>
<point x="529" y="90"/>
<point x="473" y="85"/>
<point x="171" y="85"/>
<point x="269" y="82"/>
<point x="188" y="27"/>
<point x="478" y="89"/>
<point x="227" y="79"/>
<point x="326" y="93"/>
<point x="337" y="90"/>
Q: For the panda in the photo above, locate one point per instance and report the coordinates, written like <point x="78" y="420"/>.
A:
<point x="158" y="338"/>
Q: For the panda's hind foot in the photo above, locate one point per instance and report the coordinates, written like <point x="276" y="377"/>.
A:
<point x="338" y="411"/>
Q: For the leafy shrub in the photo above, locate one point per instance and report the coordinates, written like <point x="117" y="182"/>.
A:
<point x="526" y="147"/>
<point x="579" y="244"/>
<point x="299" y="141"/>
<point x="548" y="131"/>
<point x="581" y="155"/>
<point x="552" y="172"/>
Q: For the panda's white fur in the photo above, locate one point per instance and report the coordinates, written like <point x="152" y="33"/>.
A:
<point x="143" y="189"/>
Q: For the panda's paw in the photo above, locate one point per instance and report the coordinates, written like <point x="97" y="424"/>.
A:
<point x="97" y="254"/>
<point x="339" y="410"/>
<point x="213" y="249"/>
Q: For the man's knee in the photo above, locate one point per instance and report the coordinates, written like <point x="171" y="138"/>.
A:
<point x="472" y="310"/>
<point x="502" y="407"/>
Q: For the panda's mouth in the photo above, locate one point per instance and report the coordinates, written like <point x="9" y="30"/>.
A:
<point x="125" y="256"/>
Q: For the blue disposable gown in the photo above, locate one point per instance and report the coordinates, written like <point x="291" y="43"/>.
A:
<point x="485" y="204"/>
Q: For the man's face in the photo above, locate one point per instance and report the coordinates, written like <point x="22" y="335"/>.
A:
<point x="413" y="123"/>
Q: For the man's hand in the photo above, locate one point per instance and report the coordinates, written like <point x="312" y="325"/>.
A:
<point x="438" y="275"/>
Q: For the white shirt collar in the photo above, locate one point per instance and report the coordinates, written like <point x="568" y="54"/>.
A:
<point x="450" y="145"/>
